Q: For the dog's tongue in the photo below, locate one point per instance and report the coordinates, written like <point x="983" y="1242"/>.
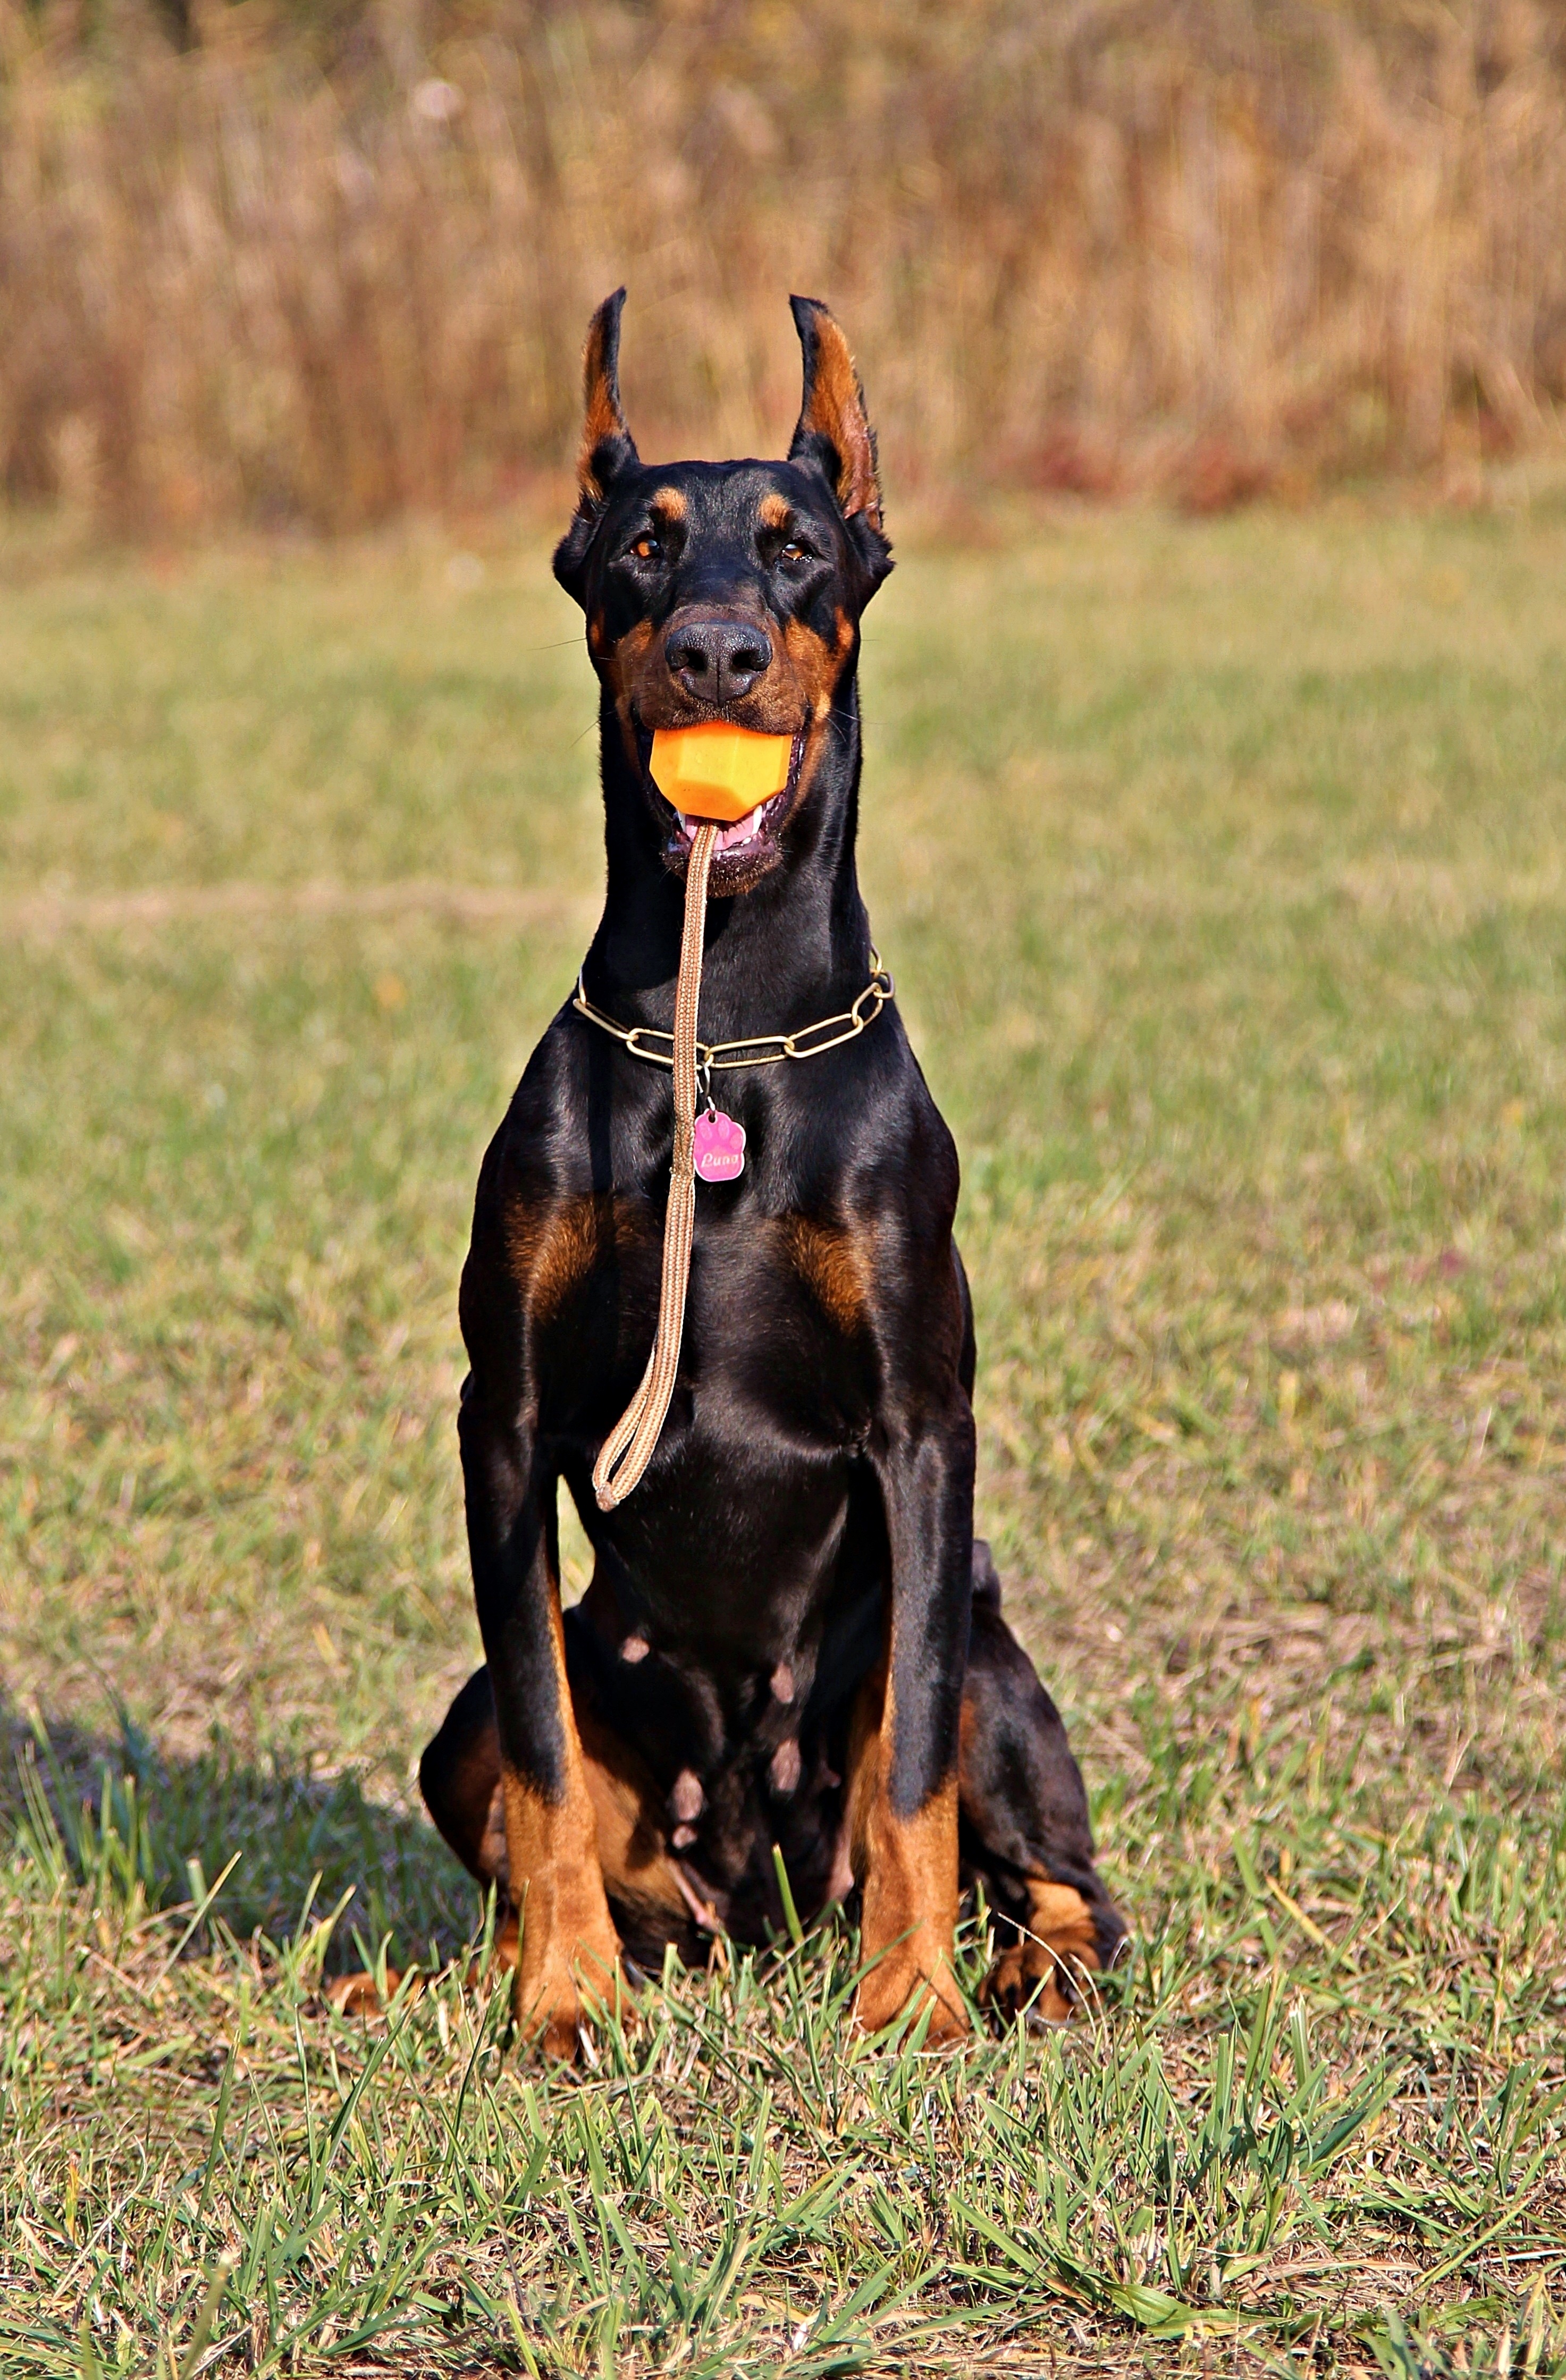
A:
<point x="743" y="830"/>
<point x="718" y="771"/>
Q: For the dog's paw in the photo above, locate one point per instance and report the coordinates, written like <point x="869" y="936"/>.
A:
<point x="901" y="1988"/>
<point x="556" y="2006"/>
<point x="555" y="2034"/>
<point x="1043" y="1974"/>
<point x="360" y="1995"/>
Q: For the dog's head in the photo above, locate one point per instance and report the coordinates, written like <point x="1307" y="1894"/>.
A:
<point x="727" y="591"/>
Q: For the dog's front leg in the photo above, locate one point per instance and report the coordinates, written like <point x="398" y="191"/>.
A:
<point x="903" y="1780"/>
<point x="568" y="1943"/>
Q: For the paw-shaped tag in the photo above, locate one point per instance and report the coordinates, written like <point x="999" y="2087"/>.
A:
<point x="720" y="1146"/>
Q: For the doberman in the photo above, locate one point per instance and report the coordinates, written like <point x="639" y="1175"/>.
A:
<point x="791" y="1637"/>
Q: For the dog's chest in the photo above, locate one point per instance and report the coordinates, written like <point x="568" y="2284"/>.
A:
<point x="774" y="1374"/>
<point x="776" y="1314"/>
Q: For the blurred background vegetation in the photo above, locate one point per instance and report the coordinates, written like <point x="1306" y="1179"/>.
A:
<point x="319" y="261"/>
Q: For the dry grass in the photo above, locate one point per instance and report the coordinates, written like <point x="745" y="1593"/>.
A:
<point x="1212" y="245"/>
<point x="1223" y="872"/>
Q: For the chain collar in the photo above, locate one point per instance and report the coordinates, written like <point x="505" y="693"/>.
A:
<point x="764" y="1049"/>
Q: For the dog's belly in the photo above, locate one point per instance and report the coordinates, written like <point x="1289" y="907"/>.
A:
<point x="737" y="1567"/>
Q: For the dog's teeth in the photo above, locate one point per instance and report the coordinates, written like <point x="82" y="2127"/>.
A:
<point x="743" y="830"/>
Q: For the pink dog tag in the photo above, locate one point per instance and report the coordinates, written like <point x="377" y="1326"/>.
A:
<point x="720" y="1146"/>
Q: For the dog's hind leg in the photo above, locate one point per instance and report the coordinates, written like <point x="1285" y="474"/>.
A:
<point x="459" y="1778"/>
<point x="1024" y="1825"/>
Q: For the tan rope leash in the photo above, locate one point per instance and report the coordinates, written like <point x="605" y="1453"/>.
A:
<point x="627" y="1451"/>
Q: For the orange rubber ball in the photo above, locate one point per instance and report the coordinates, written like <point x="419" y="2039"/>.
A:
<point x="719" y="772"/>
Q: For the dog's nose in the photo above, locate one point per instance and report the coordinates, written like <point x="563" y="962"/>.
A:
<point x="717" y="660"/>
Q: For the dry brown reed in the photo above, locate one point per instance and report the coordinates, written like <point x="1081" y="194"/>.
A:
<point x="278" y="268"/>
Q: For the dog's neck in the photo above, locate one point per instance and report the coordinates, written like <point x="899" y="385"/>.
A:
<point x="796" y="946"/>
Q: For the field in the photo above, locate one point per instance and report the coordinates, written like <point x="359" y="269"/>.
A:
<point x="1223" y="871"/>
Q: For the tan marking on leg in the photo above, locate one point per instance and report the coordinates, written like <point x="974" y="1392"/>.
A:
<point x="632" y="1859"/>
<point x="567" y="1935"/>
<point x="632" y="1814"/>
<point x="907" y="1871"/>
<point x="610" y="1833"/>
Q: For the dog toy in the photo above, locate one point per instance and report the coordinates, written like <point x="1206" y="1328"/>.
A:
<point x="718" y="771"/>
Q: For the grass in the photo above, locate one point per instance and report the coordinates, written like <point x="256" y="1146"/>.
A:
<point x="1223" y="870"/>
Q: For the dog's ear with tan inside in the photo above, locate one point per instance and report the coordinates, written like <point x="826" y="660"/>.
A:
<point x="607" y="448"/>
<point x="834" y="431"/>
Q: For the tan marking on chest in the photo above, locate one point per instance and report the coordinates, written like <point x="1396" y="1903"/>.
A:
<point x="832" y="1265"/>
<point x="555" y="1246"/>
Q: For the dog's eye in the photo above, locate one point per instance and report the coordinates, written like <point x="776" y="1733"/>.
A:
<point x="646" y="548"/>
<point x="793" y="552"/>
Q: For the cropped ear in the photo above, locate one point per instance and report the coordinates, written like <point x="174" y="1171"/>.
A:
<point x="607" y="447"/>
<point x="833" y="428"/>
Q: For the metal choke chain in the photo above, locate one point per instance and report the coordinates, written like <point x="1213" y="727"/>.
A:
<point x="650" y="1041"/>
<point x="627" y="1450"/>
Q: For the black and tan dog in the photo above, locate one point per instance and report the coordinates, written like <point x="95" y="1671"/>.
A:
<point x="791" y="1638"/>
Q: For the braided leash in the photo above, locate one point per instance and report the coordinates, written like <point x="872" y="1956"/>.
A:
<point x="627" y="1450"/>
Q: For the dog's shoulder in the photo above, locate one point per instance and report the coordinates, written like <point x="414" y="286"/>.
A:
<point x="543" y="1217"/>
<point x="890" y="1151"/>
<point x="540" y="1141"/>
<point x="867" y="1228"/>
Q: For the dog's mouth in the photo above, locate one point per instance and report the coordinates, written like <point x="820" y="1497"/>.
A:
<point x="747" y="846"/>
